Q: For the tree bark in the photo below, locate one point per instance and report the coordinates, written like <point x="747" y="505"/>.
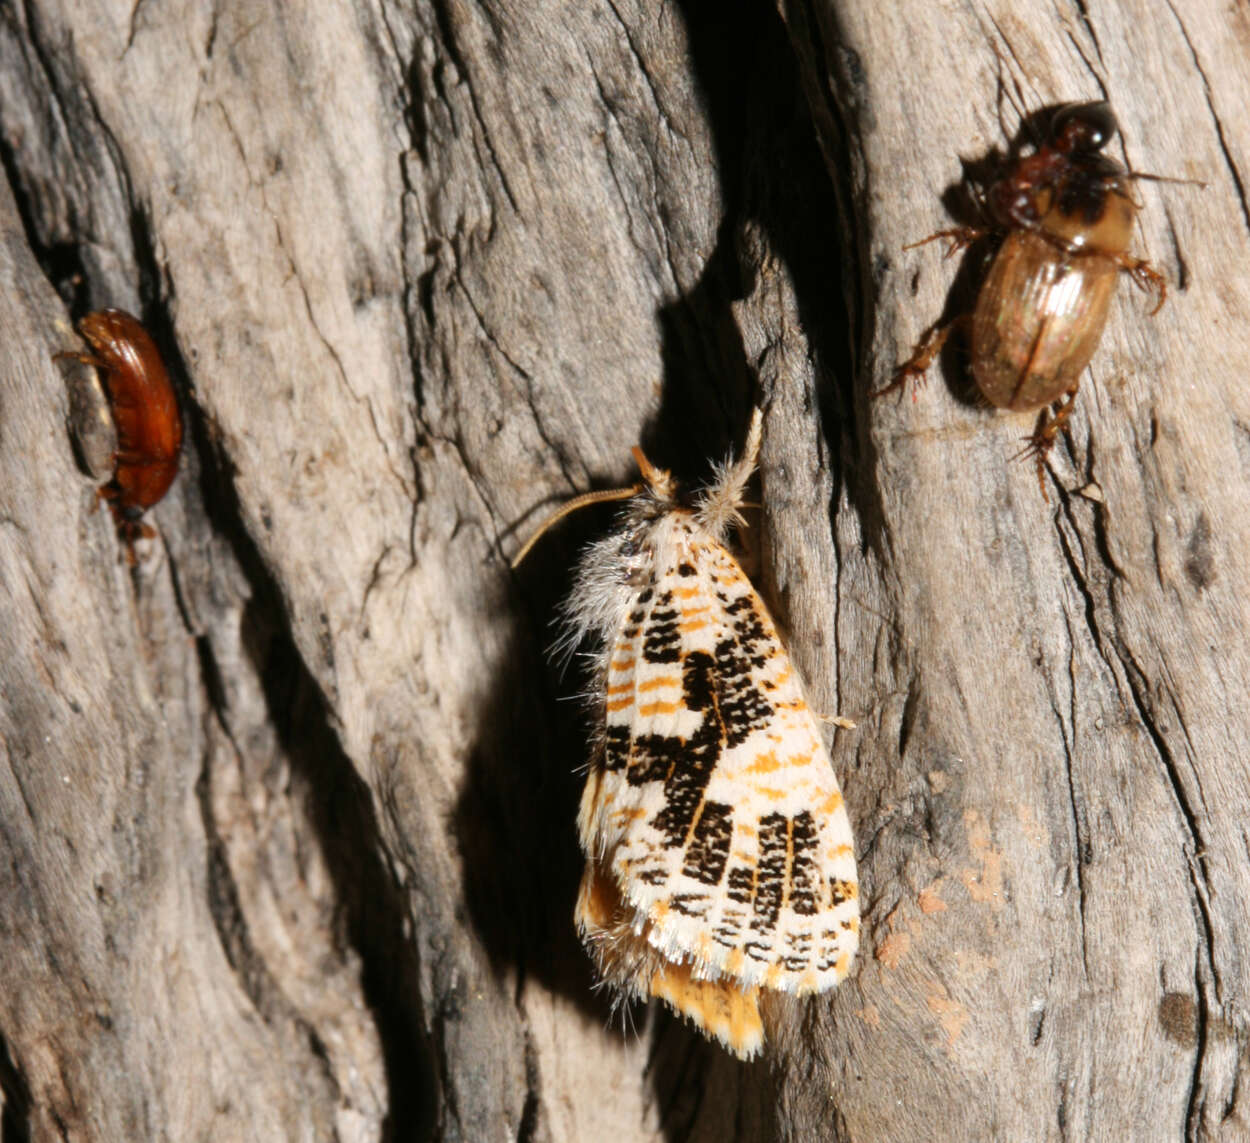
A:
<point x="287" y="842"/>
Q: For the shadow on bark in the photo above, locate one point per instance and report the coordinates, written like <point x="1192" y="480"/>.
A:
<point x="371" y="909"/>
<point x="15" y="1114"/>
<point x="516" y="819"/>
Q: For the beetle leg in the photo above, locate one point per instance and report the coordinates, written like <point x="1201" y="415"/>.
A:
<point x="129" y="539"/>
<point x="104" y="492"/>
<point x="925" y="353"/>
<point x="1146" y="277"/>
<point x="1042" y="441"/>
<point x="83" y="358"/>
<point x="961" y="237"/>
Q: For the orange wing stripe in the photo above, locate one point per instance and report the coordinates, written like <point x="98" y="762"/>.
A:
<point x="652" y="684"/>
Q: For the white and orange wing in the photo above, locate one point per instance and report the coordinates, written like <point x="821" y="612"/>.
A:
<point x="720" y="857"/>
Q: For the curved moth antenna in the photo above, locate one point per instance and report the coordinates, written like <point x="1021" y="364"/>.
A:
<point x="572" y="506"/>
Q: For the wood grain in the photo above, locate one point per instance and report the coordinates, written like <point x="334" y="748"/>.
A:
<point x="287" y="813"/>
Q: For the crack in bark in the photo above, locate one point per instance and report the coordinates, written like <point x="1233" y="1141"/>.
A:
<point x="487" y="332"/>
<point x="473" y="475"/>
<point x="1020" y="66"/>
<point x="528" y="1129"/>
<point x="659" y="213"/>
<point x="447" y="34"/>
<point x="15" y="1101"/>
<point x="1093" y="71"/>
<point x="1195" y="1101"/>
<point x="610" y="112"/>
<point x="1080" y="828"/>
<point x="1238" y="185"/>
<point x="530" y="401"/>
<point x="414" y="284"/>
<point x="133" y="28"/>
<point x="646" y="75"/>
<point x="1135" y="680"/>
<point x="1082" y="10"/>
<point x="1205" y="945"/>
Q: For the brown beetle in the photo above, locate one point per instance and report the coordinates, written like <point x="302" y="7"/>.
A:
<point x="1041" y="310"/>
<point x="145" y="413"/>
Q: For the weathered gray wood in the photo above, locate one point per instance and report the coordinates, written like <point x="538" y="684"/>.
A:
<point x="1056" y="855"/>
<point x="135" y="965"/>
<point x="287" y="814"/>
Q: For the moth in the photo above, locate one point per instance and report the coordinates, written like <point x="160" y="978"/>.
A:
<point x="720" y="863"/>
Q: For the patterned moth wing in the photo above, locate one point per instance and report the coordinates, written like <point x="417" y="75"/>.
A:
<point x="720" y="860"/>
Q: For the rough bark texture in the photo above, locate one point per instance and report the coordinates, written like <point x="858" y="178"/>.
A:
<point x="287" y="809"/>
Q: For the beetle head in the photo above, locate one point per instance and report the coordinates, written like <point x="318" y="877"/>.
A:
<point x="1082" y="128"/>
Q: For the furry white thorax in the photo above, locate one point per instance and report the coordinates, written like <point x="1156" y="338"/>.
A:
<point x="612" y="569"/>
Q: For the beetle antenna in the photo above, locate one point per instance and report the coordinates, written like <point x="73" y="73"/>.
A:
<point x="1016" y="100"/>
<point x="1143" y="176"/>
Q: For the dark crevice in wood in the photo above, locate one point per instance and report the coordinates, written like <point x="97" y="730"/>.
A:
<point x="1220" y="133"/>
<point x="226" y="908"/>
<point x="1082" y="9"/>
<point x="61" y="262"/>
<point x="372" y="907"/>
<point x="680" y="1070"/>
<point x="15" y="1114"/>
<point x="1089" y="64"/>
<point x="151" y="278"/>
<point x="1207" y="977"/>
<point x="833" y="79"/>
<point x="59" y="259"/>
<point x="1229" y="1109"/>
<point x="334" y="800"/>
<point x="1182" y="263"/>
<point x="1098" y="523"/>
<point x="527" y="1130"/>
<point x="447" y="34"/>
<point x="909" y="716"/>
<point x="1195" y="1104"/>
